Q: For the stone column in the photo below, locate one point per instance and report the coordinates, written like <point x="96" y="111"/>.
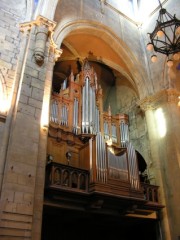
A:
<point x="42" y="156"/>
<point x="163" y="122"/>
<point x="23" y="178"/>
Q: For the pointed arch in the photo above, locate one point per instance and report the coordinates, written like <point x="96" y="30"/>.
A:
<point x="134" y="73"/>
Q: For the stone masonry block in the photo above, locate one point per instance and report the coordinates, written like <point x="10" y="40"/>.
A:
<point x="32" y="72"/>
<point x="38" y="114"/>
<point x="10" y="207"/>
<point x="31" y="132"/>
<point x="5" y="64"/>
<point x="42" y="76"/>
<point x="9" y="39"/>
<point x="19" y="188"/>
<point x="8" y="195"/>
<point x="26" y="180"/>
<point x="23" y="99"/>
<point x="17" y="217"/>
<point x="25" y="209"/>
<point x="27" y="79"/>
<point x="18" y="197"/>
<point x="20" y="167"/>
<point x="26" y="109"/>
<point x="35" y="103"/>
<point x="14" y="62"/>
<point x="16" y="225"/>
<point x="6" y="31"/>
<point x="28" y="197"/>
<point x="6" y="58"/>
<point x="37" y="83"/>
<point x="13" y="234"/>
<point x="8" y="52"/>
<point x="37" y="94"/>
<point x="8" y="45"/>
<point x="12" y="177"/>
<point x="26" y="90"/>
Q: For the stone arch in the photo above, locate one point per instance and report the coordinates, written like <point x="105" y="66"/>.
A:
<point x="135" y="75"/>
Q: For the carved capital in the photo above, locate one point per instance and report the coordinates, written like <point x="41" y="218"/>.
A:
<point x="40" y="20"/>
<point x="154" y="101"/>
<point x="44" y="30"/>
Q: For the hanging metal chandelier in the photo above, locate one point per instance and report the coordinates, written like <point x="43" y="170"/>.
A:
<point x="165" y="38"/>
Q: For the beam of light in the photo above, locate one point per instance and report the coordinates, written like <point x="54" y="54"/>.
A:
<point x="4" y="103"/>
<point x="161" y="122"/>
<point x="45" y="112"/>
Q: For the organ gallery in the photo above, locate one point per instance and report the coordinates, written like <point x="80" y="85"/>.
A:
<point x="89" y="150"/>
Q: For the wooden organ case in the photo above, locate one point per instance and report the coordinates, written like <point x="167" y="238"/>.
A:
<point x="90" y="148"/>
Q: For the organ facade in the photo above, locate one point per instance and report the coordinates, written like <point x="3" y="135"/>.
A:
<point x="89" y="149"/>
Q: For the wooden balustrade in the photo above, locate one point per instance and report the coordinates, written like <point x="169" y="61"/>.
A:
<point x="65" y="176"/>
<point x="150" y="192"/>
<point x="61" y="176"/>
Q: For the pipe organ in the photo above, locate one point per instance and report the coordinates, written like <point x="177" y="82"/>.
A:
<point x="99" y="141"/>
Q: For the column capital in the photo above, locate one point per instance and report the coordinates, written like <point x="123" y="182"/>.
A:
<point x="154" y="101"/>
<point x="45" y="28"/>
<point x="40" y="20"/>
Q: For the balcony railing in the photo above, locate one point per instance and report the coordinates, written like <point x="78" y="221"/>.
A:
<point x="66" y="177"/>
<point x="150" y="192"/>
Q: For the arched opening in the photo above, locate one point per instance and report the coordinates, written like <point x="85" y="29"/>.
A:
<point x="142" y="168"/>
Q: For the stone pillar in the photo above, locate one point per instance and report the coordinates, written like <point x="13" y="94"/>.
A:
<point x="42" y="156"/>
<point x="23" y="178"/>
<point x="163" y="122"/>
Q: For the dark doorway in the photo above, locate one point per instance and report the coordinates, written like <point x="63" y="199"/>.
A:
<point x="70" y="224"/>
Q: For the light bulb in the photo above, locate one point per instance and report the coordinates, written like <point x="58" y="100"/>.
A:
<point x="150" y="47"/>
<point x="176" y="56"/>
<point x="169" y="63"/>
<point x="154" y="58"/>
<point x="179" y="101"/>
<point x="177" y="32"/>
<point x="160" y="33"/>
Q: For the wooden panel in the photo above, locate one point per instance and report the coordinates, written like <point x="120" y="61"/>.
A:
<point x="84" y="157"/>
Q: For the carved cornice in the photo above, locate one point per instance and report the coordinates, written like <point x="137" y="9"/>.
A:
<point x="162" y="97"/>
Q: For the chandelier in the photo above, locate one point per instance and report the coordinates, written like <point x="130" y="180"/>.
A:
<point x="165" y="38"/>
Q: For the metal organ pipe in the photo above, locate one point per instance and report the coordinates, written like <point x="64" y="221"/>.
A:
<point x="52" y="111"/>
<point x="83" y="110"/>
<point x="56" y="112"/>
<point x="97" y="120"/>
<point x="114" y="136"/>
<point x="90" y="110"/>
<point x="133" y="169"/>
<point x="124" y="133"/>
<point x="106" y="131"/>
<point x="93" y="111"/>
<point x="118" y="166"/>
<point x="88" y="107"/>
<point x="75" y="116"/>
<point x="64" y="84"/>
<point x="86" y="104"/>
<point x="101" y="165"/>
